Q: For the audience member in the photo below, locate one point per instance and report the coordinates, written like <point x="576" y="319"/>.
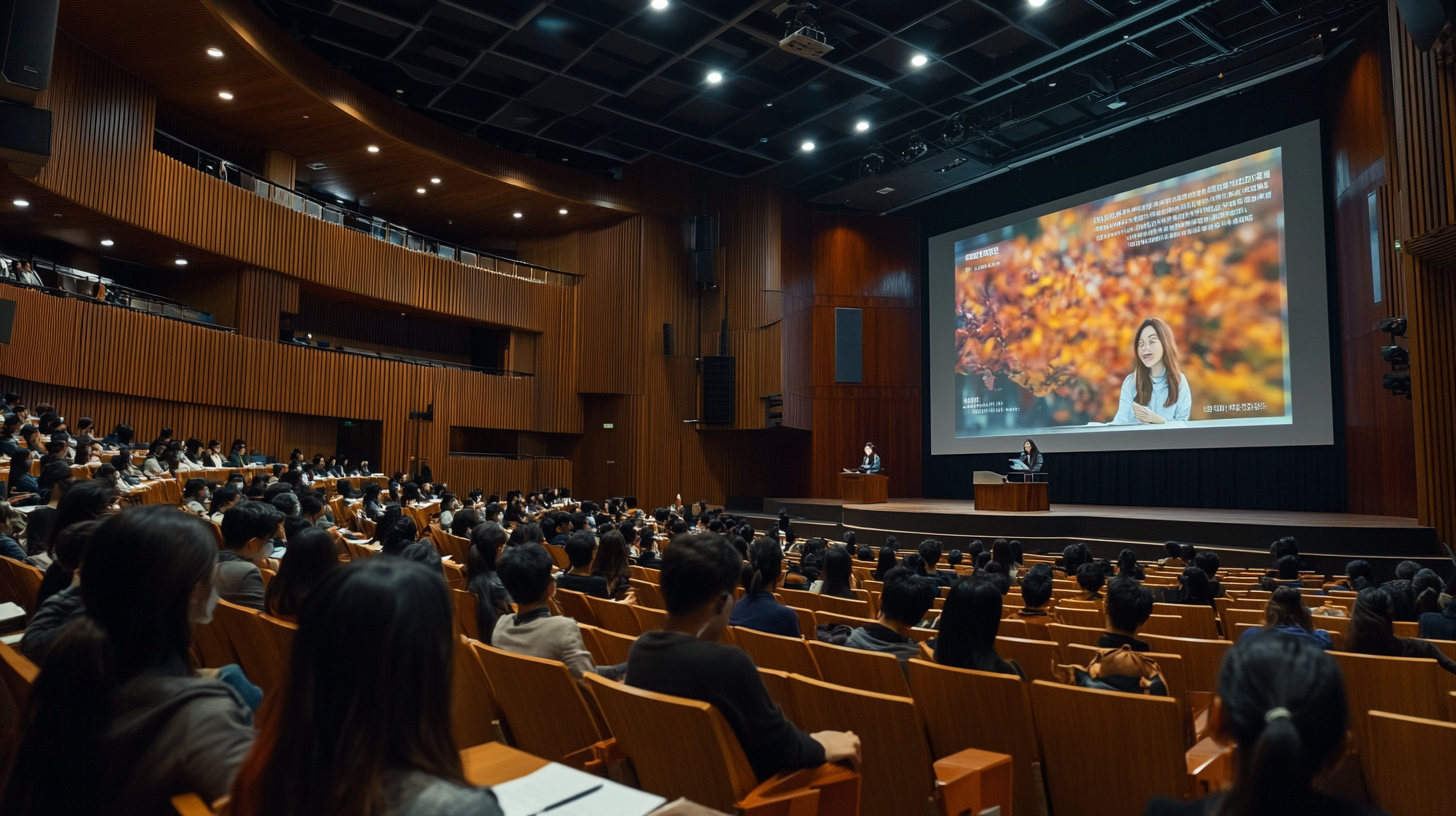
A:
<point x="309" y="558"/>
<point x="9" y="520"/>
<point x="1372" y="631"/>
<point x="85" y="500"/>
<point x="482" y="576"/>
<point x="1208" y="561"/>
<point x="578" y="577"/>
<point x="1287" y="614"/>
<point x="684" y="659"/>
<point x="371" y="670"/>
<point x="968" y="625"/>
<point x="532" y="629"/>
<point x="1129" y="605"/>
<point x="905" y="599"/>
<point x="760" y="609"/>
<point x="1128" y="567"/>
<point x="836" y="578"/>
<point x="1036" y="593"/>
<point x="612" y="563"/>
<point x="1281" y="700"/>
<point x="1193" y="588"/>
<point x="248" y="531"/>
<point x="1091" y="579"/>
<point x="118" y="698"/>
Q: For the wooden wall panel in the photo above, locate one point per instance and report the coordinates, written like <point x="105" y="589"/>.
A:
<point x="263" y="296"/>
<point x="611" y="343"/>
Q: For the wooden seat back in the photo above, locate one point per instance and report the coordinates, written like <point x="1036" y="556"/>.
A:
<point x="214" y="649"/>
<point x="17" y="674"/>
<point x="971" y="709"/>
<point x="1011" y="627"/>
<point x="1200" y="621"/>
<point x="1065" y="635"/>
<point x="1174" y="680"/>
<point x="614" y="616"/>
<point x="255" y="650"/>
<point x="1091" y="618"/>
<point x="615" y="646"/>
<point x="649" y="618"/>
<point x="856" y="668"/>
<point x="473" y="709"/>
<point x="896" y="760"/>
<point x="648" y="593"/>
<point x="777" y="652"/>
<point x="1037" y="658"/>
<point x="573" y="605"/>
<point x="1406" y="764"/>
<point x="1083" y="777"/>
<point x="542" y="704"/>
<point x="467" y="622"/>
<point x="23" y="581"/>
<point x="1397" y="685"/>
<point x="777" y="684"/>
<point x="844" y="606"/>
<point x="1202" y="659"/>
<point x="807" y="622"/>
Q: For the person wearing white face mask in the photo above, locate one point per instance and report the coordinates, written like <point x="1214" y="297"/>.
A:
<point x="248" y="530"/>
<point x="118" y="695"/>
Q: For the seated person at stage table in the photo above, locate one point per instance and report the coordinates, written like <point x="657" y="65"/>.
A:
<point x="1156" y="392"/>
<point x="871" y="461"/>
<point x="1030" y="457"/>
<point x="760" y="609"/>
<point x="1129" y="605"/>
<point x="684" y="659"/>
<point x="903" y="603"/>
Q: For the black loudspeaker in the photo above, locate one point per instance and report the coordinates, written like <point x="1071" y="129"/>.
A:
<point x="27" y="41"/>
<point x="718" y="390"/>
<point x="703" y="271"/>
<point x="669" y="347"/>
<point x="1424" y="19"/>
<point x="7" y="319"/>
<point x="25" y="136"/>
<point x="705" y="233"/>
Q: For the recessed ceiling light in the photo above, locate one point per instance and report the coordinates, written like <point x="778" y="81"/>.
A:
<point x="399" y="90"/>
<point x="562" y="211"/>
<point x="20" y="202"/>
<point x="373" y="148"/>
<point x="806" y="146"/>
<point x="515" y="215"/>
<point x="919" y="60"/>
<point x="861" y="126"/>
<point x="107" y="242"/>
<point x="1037" y="3"/>
<point x="214" y="52"/>
<point x="420" y="190"/>
<point x="658" y="5"/>
<point x="1052" y="84"/>
<point x="435" y="180"/>
<point x="714" y="77"/>
<point x="225" y="94"/>
<point x="180" y="262"/>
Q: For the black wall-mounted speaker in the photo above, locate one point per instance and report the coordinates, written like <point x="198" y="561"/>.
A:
<point x="718" y="390"/>
<point x="705" y="233"/>
<point x="669" y="346"/>
<point x="27" y="42"/>
<point x="703" y="271"/>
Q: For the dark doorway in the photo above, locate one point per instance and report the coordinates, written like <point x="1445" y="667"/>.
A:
<point x="362" y="439"/>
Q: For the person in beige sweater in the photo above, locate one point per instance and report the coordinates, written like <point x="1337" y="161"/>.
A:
<point x="533" y="630"/>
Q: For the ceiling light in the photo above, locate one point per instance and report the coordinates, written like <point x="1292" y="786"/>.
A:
<point x="919" y="60"/>
<point x="180" y="262"/>
<point x="435" y="180"/>
<point x="861" y="126"/>
<point x="420" y="190"/>
<point x="515" y="215"/>
<point x="1052" y="84"/>
<point x="562" y="211"/>
<point x="373" y="148"/>
<point x="107" y="242"/>
<point x="714" y="77"/>
<point x="20" y="202"/>
<point x="1116" y="102"/>
<point x="225" y="94"/>
<point x="658" y="5"/>
<point x="1037" y="3"/>
<point x="214" y="52"/>
<point x="399" y="90"/>
<point x="806" y="146"/>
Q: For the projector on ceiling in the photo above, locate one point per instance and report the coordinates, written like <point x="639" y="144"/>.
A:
<point x="807" y="41"/>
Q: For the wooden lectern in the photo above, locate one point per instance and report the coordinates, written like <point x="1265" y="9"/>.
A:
<point x="864" y="488"/>
<point x="1014" y="497"/>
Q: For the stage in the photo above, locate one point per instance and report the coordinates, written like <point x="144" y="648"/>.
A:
<point x="1241" y="537"/>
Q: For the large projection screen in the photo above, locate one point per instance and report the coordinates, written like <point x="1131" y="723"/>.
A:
<point x="1183" y="308"/>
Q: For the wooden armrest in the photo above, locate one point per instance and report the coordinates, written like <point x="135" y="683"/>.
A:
<point x="596" y="757"/>
<point x="973" y="780"/>
<point x="190" y="804"/>
<point x="1210" y="767"/>
<point x="827" y="789"/>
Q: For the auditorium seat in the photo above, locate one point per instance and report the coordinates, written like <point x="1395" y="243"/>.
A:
<point x="1171" y="625"/>
<point x="856" y="668"/>
<point x="1067" y="635"/>
<point x="22" y="582"/>
<point x="474" y="712"/>
<point x="971" y="709"/>
<point x="1414" y="686"/>
<point x="1406" y="766"/>
<point x="900" y="775"/>
<point x="615" y="646"/>
<point x="1084" y="777"/>
<point x="844" y="606"/>
<point x="1037" y="658"/>
<point x="648" y="618"/>
<point x="807" y="623"/>
<point x="1198" y="621"/>
<point x="1201" y="658"/>
<point x="1174" y="679"/>
<point x="769" y="651"/>
<point x="544" y="709"/>
<point x="648" y="593"/>
<point x="613" y="616"/>
<point x="574" y="605"/>
<point x="703" y="761"/>
<point x="853" y="622"/>
<point x="1087" y="618"/>
<point x="777" y="684"/>
<point x="255" y="649"/>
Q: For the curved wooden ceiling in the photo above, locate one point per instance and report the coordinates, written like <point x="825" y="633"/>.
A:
<point x="288" y="99"/>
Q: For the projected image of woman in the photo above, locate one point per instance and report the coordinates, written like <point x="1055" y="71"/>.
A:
<point x="1156" y="392"/>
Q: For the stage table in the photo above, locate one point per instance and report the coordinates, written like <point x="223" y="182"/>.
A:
<point x="1012" y="497"/>
<point x="864" y="488"/>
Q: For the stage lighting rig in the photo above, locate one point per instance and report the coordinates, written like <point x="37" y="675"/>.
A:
<point x="801" y="35"/>
<point x="1398" y="382"/>
<point x="1393" y="326"/>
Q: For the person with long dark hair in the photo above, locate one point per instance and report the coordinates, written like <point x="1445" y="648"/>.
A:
<point x="363" y="724"/>
<point x="760" y="608"/>
<point x="309" y="558"/>
<point x="1281" y="700"/>
<point x="1156" y="392"/>
<point x="611" y="562"/>
<point x="1372" y="631"/>
<point x="118" y="696"/>
<point x="1030" y="457"/>
<point x="1286" y="614"/>
<point x="1127" y="565"/>
<point x="836" y="578"/>
<point x="968" y="625"/>
<point x="85" y="500"/>
<point x="871" y="461"/>
<point x="24" y="489"/>
<point x="487" y="539"/>
<point x="888" y="560"/>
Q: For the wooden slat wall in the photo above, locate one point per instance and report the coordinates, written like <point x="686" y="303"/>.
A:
<point x="495" y="475"/>
<point x="262" y="297"/>
<point x="1424" y="104"/>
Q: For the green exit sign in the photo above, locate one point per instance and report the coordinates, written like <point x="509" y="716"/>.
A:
<point x="608" y="425"/>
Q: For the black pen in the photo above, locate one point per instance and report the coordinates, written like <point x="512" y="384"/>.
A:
<point x="568" y="800"/>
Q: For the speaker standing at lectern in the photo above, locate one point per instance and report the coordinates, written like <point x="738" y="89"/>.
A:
<point x="871" y="461"/>
<point x="1030" y="459"/>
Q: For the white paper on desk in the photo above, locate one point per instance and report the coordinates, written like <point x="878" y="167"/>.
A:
<point x="537" y="791"/>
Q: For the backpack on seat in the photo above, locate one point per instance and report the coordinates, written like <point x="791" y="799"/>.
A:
<point x="1119" y="669"/>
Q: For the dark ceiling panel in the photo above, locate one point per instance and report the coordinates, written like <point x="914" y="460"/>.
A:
<point x="601" y="82"/>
